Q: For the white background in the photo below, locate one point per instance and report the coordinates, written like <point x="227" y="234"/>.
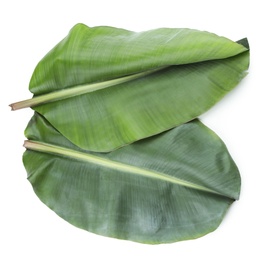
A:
<point x="29" y="29"/>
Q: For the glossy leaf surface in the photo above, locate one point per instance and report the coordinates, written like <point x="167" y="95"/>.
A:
<point x="109" y="118"/>
<point x="170" y="187"/>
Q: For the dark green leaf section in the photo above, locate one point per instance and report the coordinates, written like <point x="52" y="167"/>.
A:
<point x="120" y="204"/>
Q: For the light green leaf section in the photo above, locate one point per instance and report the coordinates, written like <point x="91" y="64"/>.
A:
<point x="174" y="186"/>
<point x="196" y="69"/>
<point x="102" y="53"/>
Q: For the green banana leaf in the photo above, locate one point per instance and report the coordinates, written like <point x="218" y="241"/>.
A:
<point x="142" y="83"/>
<point x="170" y="187"/>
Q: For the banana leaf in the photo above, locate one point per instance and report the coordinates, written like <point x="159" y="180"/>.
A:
<point x="173" y="186"/>
<point x="113" y="87"/>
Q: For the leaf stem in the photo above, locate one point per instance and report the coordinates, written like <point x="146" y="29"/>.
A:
<point x="108" y="163"/>
<point x="77" y="90"/>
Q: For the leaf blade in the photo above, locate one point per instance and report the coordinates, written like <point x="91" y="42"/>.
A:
<point x="135" y="207"/>
<point x="110" y="118"/>
<point x="200" y="69"/>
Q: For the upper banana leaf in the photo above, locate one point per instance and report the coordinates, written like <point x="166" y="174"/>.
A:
<point x="170" y="187"/>
<point x="179" y="74"/>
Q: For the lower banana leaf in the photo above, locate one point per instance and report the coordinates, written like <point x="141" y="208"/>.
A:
<point x="170" y="187"/>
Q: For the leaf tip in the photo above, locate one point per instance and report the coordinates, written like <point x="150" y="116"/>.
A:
<point x="244" y="42"/>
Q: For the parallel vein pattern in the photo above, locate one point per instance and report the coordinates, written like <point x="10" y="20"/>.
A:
<point x="174" y="186"/>
<point x="108" y="84"/>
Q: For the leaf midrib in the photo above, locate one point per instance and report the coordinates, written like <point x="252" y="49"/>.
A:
<point x="79" y="90"/>
<point x="62" y="151"/>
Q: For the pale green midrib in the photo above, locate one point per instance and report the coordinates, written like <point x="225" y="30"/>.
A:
<point x="78" y="90"/>
<point x="53" y="149"/>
